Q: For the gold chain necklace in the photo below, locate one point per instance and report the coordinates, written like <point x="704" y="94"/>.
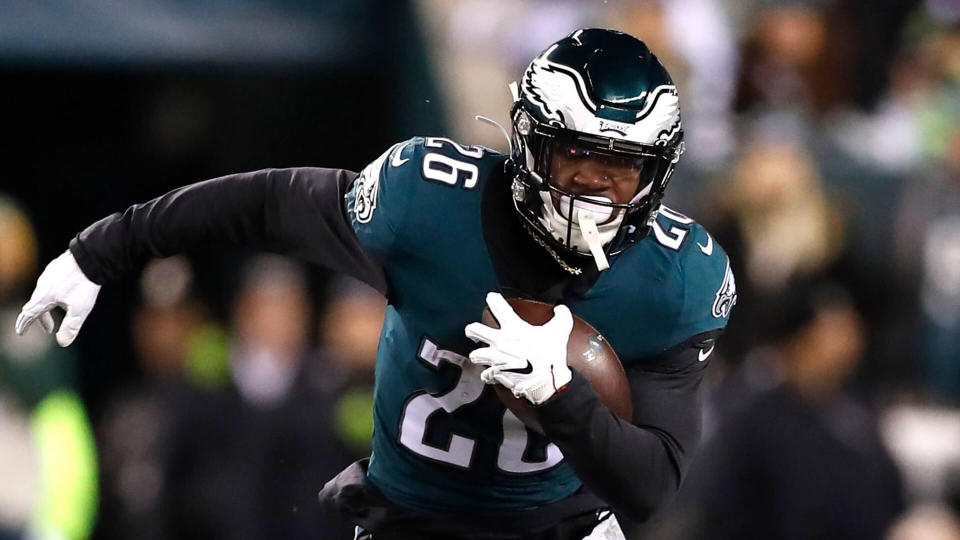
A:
<point x="572" y="270"/>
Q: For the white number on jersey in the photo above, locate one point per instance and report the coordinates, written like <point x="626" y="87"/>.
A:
<point x="447" y="170"/>
<point x="440" y="168"/>
<point x="673" y="237"/>
<point x="459" y="450"/>
<point x="474" y="152"/>
<point x="413" y="424"/>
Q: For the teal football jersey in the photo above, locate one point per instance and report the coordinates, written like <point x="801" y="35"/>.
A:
<point x="442" y="440"/>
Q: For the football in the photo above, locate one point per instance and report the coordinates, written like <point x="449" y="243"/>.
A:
<point x="588" y="353"/>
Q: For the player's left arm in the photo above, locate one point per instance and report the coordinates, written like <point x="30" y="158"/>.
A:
<point x="636" y="467"/>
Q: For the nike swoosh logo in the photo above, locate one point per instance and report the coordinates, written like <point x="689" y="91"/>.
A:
<point x="707" y="249"/>
<point x="397" y="160"/>
<point x="528" y="369"/>
<point x="702" y="355"/>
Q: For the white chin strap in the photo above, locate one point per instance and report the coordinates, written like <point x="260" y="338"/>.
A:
<point x="588" y="228"/>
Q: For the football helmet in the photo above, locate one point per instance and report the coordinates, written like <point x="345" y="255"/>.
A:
<point x="596" y="94"/>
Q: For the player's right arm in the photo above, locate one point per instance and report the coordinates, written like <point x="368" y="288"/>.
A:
<point x="298" y="212"/>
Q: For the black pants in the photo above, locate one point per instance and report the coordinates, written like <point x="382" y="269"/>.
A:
<point x="575" y="528"/>
<point x="361" y="503"/>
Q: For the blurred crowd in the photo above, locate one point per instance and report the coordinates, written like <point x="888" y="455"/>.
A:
<point x="823" y="153"/>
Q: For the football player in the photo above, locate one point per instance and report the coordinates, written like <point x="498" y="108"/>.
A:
<point x="571" y="216"/>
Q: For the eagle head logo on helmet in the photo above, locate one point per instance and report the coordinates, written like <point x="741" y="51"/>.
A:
<point x="603" y="93"/>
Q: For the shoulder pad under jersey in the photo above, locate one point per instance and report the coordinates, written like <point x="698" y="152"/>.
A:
<point x="417" y="185"/>
<point x="704" y="286"/>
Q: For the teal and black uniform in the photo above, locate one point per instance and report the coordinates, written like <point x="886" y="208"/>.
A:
<point x="430" y="223"/>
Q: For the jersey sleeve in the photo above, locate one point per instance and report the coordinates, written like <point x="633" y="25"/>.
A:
<point x="378" y="202"/>
<point x="609" y="454"/>
<point x="708" y="285"/>
<point x="414" y="197"/>
<point x="687" y="289"/>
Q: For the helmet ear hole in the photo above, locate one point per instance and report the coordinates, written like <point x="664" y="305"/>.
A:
<point x="523" y="124"/>
<point x="519" y="190"/>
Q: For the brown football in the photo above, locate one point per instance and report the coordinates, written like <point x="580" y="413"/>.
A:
<point x="588" y="353"/>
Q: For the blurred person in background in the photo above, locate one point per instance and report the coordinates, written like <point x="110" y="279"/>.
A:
<point x="193" y="452"/>
<point x="349" y="330"/>
<point x="926" y="522"/>
<point x="779" y="226"/>
<point x="270" y="340"/>
<point x="783" y="58"/>
<point x="246" y="459"/>
<point x="927" y="232"/>
<point x="137" y="431"/>
<point x="811" y="57"/>
<point x="48" y="459"/>
<point x="928" y="250"/>
<point x="802" y="459"/>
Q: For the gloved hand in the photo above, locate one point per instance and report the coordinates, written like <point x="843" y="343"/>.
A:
<point x="62" y="284"/>
<point x="531" y="361"/>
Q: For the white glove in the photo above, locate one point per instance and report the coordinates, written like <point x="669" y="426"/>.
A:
<point x="62" y="284"/>
<point x="531" y="361"/>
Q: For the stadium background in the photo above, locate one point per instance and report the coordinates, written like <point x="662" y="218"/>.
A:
<point x="212" y="395"/>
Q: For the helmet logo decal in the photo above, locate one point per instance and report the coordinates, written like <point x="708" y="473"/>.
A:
<point x="560" y="95"/>
<point x="546" y="81"/>
<point x="667" y="135"/>
<point x="651" y="104"/>
<point x="534" y="94"/>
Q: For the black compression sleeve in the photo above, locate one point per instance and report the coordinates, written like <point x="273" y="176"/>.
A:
<point x="634" y="467"/>
<point x="297" y="212"/>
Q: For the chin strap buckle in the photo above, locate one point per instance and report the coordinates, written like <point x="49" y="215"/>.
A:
<point x="588" y="228"/>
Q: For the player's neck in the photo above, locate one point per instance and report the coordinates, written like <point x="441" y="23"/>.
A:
<point x="522" y="264"/>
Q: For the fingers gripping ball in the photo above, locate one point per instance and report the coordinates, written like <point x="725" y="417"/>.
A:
<point x="588" y="353"/>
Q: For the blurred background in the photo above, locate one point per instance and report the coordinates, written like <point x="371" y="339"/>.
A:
<point x="211" y="395"/>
